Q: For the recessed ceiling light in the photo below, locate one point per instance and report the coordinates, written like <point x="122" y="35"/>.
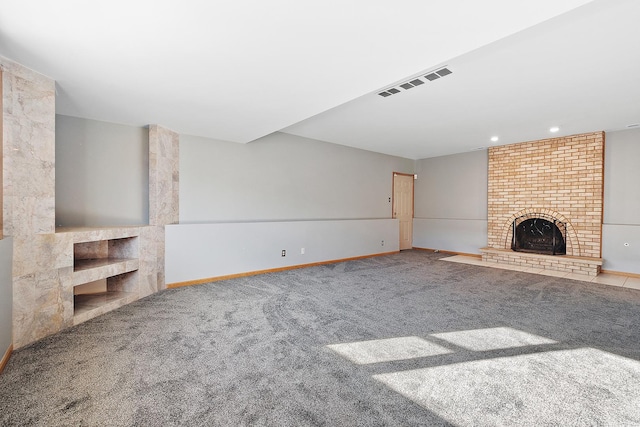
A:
<point x="494" y="139"/>
<point x="554" y="129"/>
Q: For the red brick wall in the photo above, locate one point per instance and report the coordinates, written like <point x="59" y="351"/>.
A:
<point x="562" y="177"/>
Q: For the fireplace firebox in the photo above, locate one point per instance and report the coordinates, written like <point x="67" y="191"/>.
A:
<point x="540" y="234"/>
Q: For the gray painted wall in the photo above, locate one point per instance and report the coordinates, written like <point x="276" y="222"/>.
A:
<point x="6" y="294"/>
<point x="621" y="202"/>
<point x="465" y="236"/>
<point x="201" y="251"/>
<point x="451" y="202"/>
<point x="283" y="177"/>
<point x="102" y="173"/>
<point x="616" y="256"/>
<point x="241" y="205"/>
<point x="102" y="179"/>
<point x="622" y="177"/>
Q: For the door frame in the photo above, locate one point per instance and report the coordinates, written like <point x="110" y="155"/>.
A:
<point x="393" y="193"/>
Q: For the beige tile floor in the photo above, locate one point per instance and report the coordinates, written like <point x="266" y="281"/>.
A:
<point x="602" y="278"/>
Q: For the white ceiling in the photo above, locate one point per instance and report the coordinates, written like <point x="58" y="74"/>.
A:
<point x="239" y="70"/>
<point x="579" y="71"/>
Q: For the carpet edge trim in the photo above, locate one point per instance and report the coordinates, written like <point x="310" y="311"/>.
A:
<point x="6" y="357"/>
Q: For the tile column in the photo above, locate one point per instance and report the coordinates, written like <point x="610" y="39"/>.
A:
<point x="163" y="195"/>
<point x="28" y="108"/>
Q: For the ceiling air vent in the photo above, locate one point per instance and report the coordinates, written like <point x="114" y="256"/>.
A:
<point x="431" y="76"/>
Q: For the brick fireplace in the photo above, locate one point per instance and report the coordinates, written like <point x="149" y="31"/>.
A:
<point x="560" y="179"/>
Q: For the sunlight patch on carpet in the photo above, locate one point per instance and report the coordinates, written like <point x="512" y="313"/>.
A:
<point x="387" y="350"/>
<point x="492" y="339"/>
<point x="587" y="386"/>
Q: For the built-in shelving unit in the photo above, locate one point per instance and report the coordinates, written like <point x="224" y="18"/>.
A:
<point x="105" y="270"/>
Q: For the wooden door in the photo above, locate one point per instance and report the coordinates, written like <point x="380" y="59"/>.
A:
<point x="403" y="207"/>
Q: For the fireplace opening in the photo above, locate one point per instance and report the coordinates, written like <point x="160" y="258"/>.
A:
<point x="539" y="234"/>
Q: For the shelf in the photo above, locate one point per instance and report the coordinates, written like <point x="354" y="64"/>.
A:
<point x="106" y="263"/>
<point x="93" y="234"/>
<point x="89" y="270"/>
<point x="88" y="264"/>
<point x="91" y="305"/>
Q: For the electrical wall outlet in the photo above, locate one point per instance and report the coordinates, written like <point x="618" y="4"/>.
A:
<point x="302" y="251"/>
<point x="284" y="252"/>
<point x="382" y="244"/>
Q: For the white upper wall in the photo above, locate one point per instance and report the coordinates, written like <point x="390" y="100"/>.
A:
<point x="622" y="177"/>
<point x="102" y="173"/>
<point x="452" y="187"/>
<point x="283" y="177"/>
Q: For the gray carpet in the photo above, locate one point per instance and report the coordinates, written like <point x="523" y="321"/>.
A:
<point x="398" y="340"/>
